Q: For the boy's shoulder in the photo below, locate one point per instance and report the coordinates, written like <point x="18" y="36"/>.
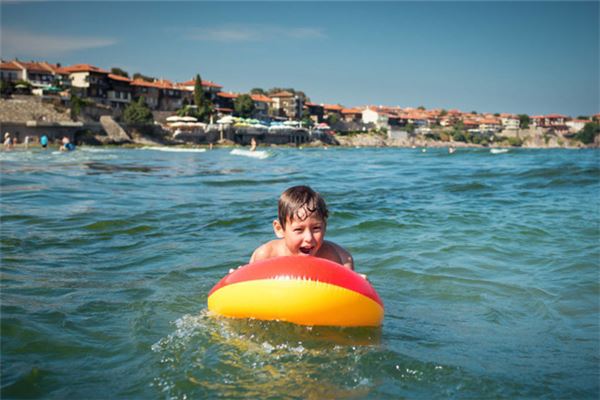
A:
<point x="337" y="253"/>
<point x="268" y="250"/>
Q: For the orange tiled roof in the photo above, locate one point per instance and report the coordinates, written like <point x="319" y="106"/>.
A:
<point x="284" y="93"/>
<point x="262" y="98"/>
<point x="10" y="65"/>
<point x="84" y="68"/>
<point x="351" y="111"/>
<point x="159" y="84"/>
<point x="228" y="95"/>
<point x="141" y="82"/>
<point x="119" y="78"/>
<point x="192" y="82"/>
<point x="309" y="104"/>
<point x="489" y="121"/>
<point x="332" y="107"/>
<point x="32" y="66"/>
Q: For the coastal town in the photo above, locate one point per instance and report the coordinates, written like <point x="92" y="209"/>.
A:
<point x="92" y="105"/>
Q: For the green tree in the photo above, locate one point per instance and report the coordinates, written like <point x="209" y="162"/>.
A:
<point x="138" y="112"/>
<point x="244" y="106"/>
<point x="422" y="108"/>
<point x="524" y="121"/>
<point x="589" y="132"/>
<point x="198" y="92"/>
<point x="6" y="88"/>
<point x="258" y="91"/>
<point x="137" y="75"/>
<point x="119" y="71"/>
<point x="204" y="107"/>
<point x="333" y="119"/>
<point x="306" y="120"/>
<point x="77" y="104"/>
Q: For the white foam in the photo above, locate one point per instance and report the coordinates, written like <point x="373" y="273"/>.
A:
<point x="247" y="153"/>
<point x="174" y="149"/>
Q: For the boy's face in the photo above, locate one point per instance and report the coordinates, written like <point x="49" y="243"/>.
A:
<point x="302" y="235"/>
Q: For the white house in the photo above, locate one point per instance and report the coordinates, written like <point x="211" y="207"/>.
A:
<point x="380" y="119"/>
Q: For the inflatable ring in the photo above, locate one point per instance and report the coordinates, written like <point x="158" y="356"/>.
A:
<point x="298" y="289"/>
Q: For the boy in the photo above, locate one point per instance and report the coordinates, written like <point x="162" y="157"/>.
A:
<point x="67" y="145"/>
<point x="300" y="227"/>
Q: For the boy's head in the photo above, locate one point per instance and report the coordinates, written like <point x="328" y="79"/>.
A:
<point x="300" y="202"/>
<point x="302" y="220"/>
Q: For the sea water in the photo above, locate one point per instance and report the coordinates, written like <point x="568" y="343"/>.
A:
<point x="488" y="265"/>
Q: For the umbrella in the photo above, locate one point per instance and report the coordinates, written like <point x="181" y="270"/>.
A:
<point x="178" y="125"/>
<point x="189" y="119"/>
<point x="226" y="120"/>
<point x="174" y="118"/>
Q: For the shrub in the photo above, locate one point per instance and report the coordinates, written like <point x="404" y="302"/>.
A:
<point x="138" y="113"/>
<point x="589" y="132"/>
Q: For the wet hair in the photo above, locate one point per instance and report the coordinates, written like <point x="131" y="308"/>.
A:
<point x="297" y="198"/>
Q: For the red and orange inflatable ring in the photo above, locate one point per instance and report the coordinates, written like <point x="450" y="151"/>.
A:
<point x="298" y="289"/>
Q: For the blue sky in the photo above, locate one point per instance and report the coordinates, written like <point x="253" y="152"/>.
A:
<point x="519" y="57"/>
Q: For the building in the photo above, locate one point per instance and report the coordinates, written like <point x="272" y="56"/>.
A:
<point x="262" y="105"/>
<point x="148" y="90"/>
<point x="211" y="90"/>
<point x="10" y="72"/>
<point x="371" y="115"/>
<point x="224" y="103"/>
<point x="352" y="114"/>
<point x="315" y="112"/>
<point x="120" y="92"/>
<point x="286" y="104"/>
<point x="89" y="81"/>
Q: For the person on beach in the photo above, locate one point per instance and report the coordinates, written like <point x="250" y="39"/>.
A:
<point x="67" y="145"/>
<point x="252" y="144"/>
<point x="300" y="228"/>
<point x="8" y="141"/>
<point x="44" y="141"/>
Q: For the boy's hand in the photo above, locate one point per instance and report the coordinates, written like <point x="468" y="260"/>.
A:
<point x="364" y="276"/>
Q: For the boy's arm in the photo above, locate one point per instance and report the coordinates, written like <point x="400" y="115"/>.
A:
<point x="261" y="253"/>
<point x="345" y="257"/>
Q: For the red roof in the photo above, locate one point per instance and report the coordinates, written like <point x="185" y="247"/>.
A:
<point x="489" y="121"/>
<point x="119" y="78"/>
<point x="261" y="98"/>
<point x="282" y="94"/>
<point x="312" y="104"/>
<point x="141" y="82"/>
<point x="228" y="95"/>
<point x="192" y="82"/>
<point x="332" y="107"/>
<point x="33" y="66"/>
<point x="10" y="65"/>
<point x="84" y="68"/>
<point x="351" y="111"/>
<point x="160" y="84"/>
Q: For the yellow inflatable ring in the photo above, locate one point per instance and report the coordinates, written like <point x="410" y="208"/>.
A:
<point x="300" y="289"/>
